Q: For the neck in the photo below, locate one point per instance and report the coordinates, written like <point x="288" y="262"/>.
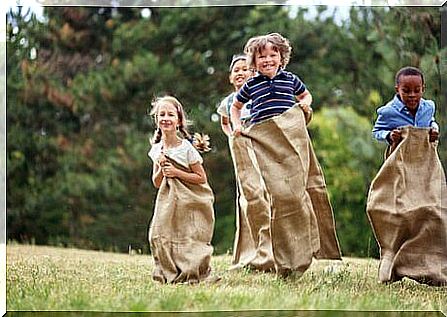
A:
<point x="170" y="140"/>
<point x="413" y="111"/>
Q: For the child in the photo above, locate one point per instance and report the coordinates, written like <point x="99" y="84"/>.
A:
<point x="239" y="73"/>
<point x="406" y="203"/>
<point x="182" y="225"/>
<point x="407" y="108"/>
<point x="273" y="90"/>
<point x="291" y="220"/>
<point x="243" y="244"/>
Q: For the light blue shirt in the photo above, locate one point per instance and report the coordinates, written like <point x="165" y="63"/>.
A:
<point x="395" y="115"/>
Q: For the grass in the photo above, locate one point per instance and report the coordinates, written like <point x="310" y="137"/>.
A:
<point x="48" y="278"/>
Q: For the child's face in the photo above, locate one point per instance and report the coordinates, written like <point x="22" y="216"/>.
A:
<point x="268" y="61"/>
<point x="239" y="74"/>
<point x="410" y="90"/>
<point x="167" y="117"/>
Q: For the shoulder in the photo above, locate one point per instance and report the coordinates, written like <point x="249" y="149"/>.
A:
<point x="387" y="109"/>
<point x="428" y="103"/>
<point x="284" y="74"/>
<point x="155" y="151"/>
<point x="228" y="98"/>
<point x="223" y="105"/>
<point x="193" y="156"/>
<point x="187" y="146"/>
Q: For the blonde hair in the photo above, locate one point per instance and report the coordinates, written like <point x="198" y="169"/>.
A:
<point x="257" y="44"/>
<point x="182" y="122"/>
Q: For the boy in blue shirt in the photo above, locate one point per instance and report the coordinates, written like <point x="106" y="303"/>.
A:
<point x="406" y="205"/>
<point x="407" y="108"/>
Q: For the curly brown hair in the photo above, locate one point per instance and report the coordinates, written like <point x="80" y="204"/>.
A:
<point x="257" y="44"/>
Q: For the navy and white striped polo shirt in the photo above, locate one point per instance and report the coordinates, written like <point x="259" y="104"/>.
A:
<point x="270" y="96"/>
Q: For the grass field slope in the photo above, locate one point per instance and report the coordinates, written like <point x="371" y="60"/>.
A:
<point x="48" y="278"/>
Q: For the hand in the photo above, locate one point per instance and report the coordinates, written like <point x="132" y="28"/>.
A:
<point x="237" y="131"/>
<point x="434" y="135"/>
<point x="395" y="136"/>
<point x="306" y="108"/>
<point x="162" y="160"/>
<point x="169" y="170"/>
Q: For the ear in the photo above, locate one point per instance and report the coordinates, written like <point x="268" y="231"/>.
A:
<point x="423" y="88"/>
<point x="396" y="88"/>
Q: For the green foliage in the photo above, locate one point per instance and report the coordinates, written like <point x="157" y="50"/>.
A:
<point x="80" y="83"/>
<point x="350" y="159"/>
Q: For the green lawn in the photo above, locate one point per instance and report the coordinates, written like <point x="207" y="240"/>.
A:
<point x="47" y="278"/>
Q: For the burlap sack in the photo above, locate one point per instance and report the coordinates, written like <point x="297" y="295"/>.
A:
<point x="288" y="212"/>
<point x="181" y="230"/>
<point x="407" y="211"/>
<point x="244" y="248"/>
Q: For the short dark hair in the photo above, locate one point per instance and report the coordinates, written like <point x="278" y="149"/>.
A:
<point x="236" y="58"/>
<point x="409" y="71"/>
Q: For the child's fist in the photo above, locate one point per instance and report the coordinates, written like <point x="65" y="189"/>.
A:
<point x="306" y="108"/>
<point x="162" y="160"/>
<point x="307" y="111"/>
<point x="169" y="170"/>
<point x="395" y="136"/>
<point x="434" y="135"/>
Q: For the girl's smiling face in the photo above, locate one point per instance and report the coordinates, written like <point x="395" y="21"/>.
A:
<point x="410" y="89"/>
<point x="268" y="60"/>
<point x="239" y="73"/>
<point x="167" y="117"/>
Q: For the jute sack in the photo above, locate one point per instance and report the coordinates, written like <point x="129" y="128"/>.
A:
<point x="244" y="248"/>
<point x="181" y="230"/>
<point x="407" y="210"/>
<point x="289" y="215"/>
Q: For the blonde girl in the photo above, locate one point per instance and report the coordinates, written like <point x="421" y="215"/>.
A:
<point x="182" y="224"/>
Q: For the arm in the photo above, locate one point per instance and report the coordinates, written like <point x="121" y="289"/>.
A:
<point x="382" y="130"/>
<point x="236" y="116"/>
<point x="225" y="125"/>
<point x="434" y="131"/>
<point x="197" y="176"/>
<point x="157" y="175"/>
<point x="304" y="101"/>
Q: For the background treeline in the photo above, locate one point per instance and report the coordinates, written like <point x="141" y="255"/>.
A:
<point x="80" y="82"/>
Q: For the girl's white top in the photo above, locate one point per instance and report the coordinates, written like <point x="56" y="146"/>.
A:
<point x="185" y="153"/>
